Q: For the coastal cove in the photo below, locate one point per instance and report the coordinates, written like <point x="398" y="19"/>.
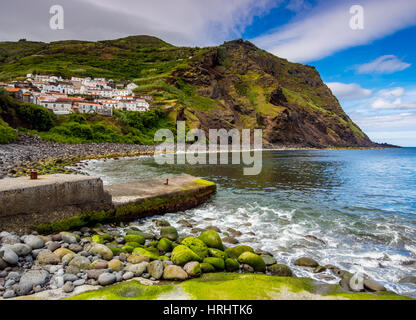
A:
<point x="354" y="209"/>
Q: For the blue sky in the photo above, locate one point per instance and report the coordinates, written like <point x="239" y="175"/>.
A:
<point x="370" y="70"/>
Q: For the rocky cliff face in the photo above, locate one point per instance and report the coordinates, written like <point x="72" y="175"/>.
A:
<point x="255" y="89"/>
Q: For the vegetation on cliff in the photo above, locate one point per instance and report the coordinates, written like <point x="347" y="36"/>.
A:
<point x="235" y="85"/>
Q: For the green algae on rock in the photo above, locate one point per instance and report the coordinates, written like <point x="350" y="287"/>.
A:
<point x="197" y="246"/>
<point x="235" y="252"/>
<point x="181" y="255"/>
<point x="232" y="286"/>
<point x="212" y="239"/>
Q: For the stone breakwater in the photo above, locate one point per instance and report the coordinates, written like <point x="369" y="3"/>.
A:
<point x="31" y="152"/>
<point x="109" y="254"/>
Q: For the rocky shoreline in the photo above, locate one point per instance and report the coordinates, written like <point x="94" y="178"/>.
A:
<point x="30" y="152"/>
<point x="108" y="254"/>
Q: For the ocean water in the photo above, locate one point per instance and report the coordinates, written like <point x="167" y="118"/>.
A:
<point x="361" y="203"/>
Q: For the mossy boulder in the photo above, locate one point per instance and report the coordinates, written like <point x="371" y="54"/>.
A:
<point x="115" y="250"/>
<point x="61" y="252"/>
<point x="237" y="251"/>
<point x="212" y="239"/>
<point x="97" y="239"/>
<point x="134" y="238"/>
<point x="218" y="263"/>
<point x="164" y="245"/>
<point x="153" y="244"/>
<point x="146" y="253"/>
<point x="169" y="232"/>
<point x="197" y="246"/>
<point x="253" y="260"/>
<point x="134" y="244"/>
<point x="145" y="235"/>
<point x="216" y="253"/>
<point x="127" y="249"/>
<point x="280" y="270"/>
<point x="207" y="267"/>
<point x="181" y="255"/>
<point x="231" y="265"/>
<point x="153" y="250"/>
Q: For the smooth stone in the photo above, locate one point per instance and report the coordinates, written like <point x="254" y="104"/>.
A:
<point x="30" y="279"/>
<point x="47" y="257"/>
<point x="53" y="245"/>
<point x="319" y="269"/>
<point x="68" y="238"/>
<point x="128" y="275"/>
<point x="13" y="275"/>
<point x="115" y="265"/>
<point x="138" y="269"/>
<point x="68" y="287"/>
<point x="34" y="242"/>
<point x="99" y="264"/>
<point x="135" y="259"/>
<point x="230" y="240"/>
<point x="21" y="249"/>
<point x="155" y="269"/>
<point x="173" y="272"/>
<point x="70" y="277"/>
<point x="79" y="282"/>
<point x="247" y="269"/>
<point x="306" y="262"/>
<point x="408" y="280"/>
<point x="57" y="282"/>
<point x="95" y="273"/>
<point x="75" y="247"/>
<point x="9" y="256"/>
<point x="80" y="262"/>
<point x="72" y="270"/>
<point x="192" y="268"/>
<point x="10" y="239"/>
<point x="102" y="251"/>
<point x="107" y="279"/>
<point x="9" y="294"/>
<point x="373" y="286"/>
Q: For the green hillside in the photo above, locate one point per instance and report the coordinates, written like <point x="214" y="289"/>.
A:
<point x="235" y="85"/>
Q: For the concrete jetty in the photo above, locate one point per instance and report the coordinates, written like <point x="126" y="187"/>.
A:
<point x="61" y="202"/>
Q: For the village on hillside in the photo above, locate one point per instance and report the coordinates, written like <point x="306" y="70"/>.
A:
<point x="77" y="95"/>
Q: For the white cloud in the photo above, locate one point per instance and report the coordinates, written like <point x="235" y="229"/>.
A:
<point x="393" y="99"/>
<point x="327" y="29"/>
<point x="384" y="64"/>
<point x="180" y="22"/>
<point x="348" y="91"/>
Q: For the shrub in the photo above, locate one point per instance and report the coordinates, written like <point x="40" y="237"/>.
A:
<point x="7" y="134"/>
<point x="37" y="117"/>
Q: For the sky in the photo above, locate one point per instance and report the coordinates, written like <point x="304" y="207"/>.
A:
<point x="365" y="50"/>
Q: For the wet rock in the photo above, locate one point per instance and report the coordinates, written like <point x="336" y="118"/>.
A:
<point x="115" y="265"/>
<point x="408" y="280"/>
<point x="135" y="259"/>
<point x="234" y="232"/>
<point x="214" y="228"/>
<point x="230" y="240"/>
<point x="99" y="264"/>
<point x="68" y="287"/>
<point x="101" y="251"/>
<point x="268" y="260"/>
<point x="79" y="282"/>
<point x="306" y="262"/>
<point x="373" y="286"/>
<point x="169" y="232"/>
<point x="280" y="270"/>
<point x="319" y="269"/>
<point x="315" y="239"/>
<point x="185" y="223"/>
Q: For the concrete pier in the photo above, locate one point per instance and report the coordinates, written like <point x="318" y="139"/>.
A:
<point x="62" y="202"/>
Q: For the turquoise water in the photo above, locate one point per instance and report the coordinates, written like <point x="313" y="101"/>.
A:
<point x="361" y="203"/>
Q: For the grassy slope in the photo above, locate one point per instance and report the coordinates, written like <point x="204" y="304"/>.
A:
<point x="158" y="68"/>
<point x="230" y="286"/>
